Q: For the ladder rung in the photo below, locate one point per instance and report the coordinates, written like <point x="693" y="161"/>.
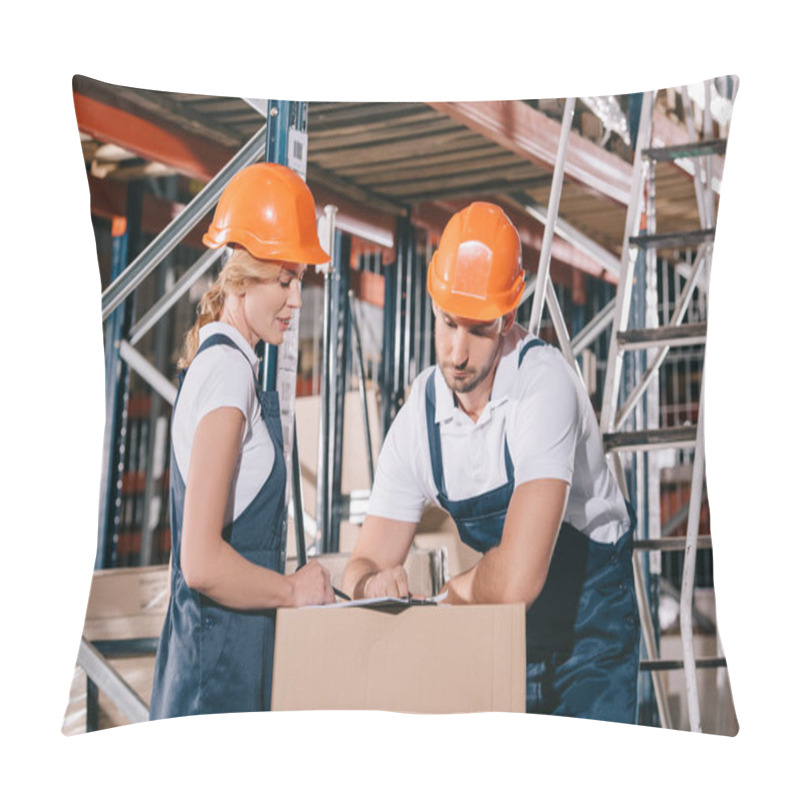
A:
<point x="673" y="335"/>
<point x="687" y="150"/>
<point x="653" y="439"/>
<point x="671" y="543"/>
<point x="701" y="663"/>
<point x="658" y="241"/>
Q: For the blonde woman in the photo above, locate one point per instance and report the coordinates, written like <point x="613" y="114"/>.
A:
<point x="228" y="474"/>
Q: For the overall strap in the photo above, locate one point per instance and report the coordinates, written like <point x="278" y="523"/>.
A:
<point x="529" y="346"/>
<point x="221" y="338"/>
<point x="435" y="440"/>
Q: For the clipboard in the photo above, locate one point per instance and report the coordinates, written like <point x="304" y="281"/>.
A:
<point x="391" y="605"/>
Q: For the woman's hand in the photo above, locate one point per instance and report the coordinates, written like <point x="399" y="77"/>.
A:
<point x="311" y="585"/>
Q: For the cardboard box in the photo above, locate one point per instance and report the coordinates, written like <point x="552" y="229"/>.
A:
<point x="425" y="659"/>
<point x="127" y="603"/>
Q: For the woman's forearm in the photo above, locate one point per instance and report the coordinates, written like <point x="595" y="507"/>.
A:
<point x="227" y="577"/>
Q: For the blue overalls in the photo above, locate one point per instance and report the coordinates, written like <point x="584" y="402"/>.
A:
<point x="582" y="632"/>
<point x="212" y="659"/>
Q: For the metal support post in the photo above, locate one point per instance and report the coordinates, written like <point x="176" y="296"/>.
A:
<point x="636" y="478"/>
<point x="116" y="412"/>
<point x="687" y="585"/>
<point x="285" y="144"/>
<point x="297" y="500"/>
<point x="387" y="349"/>
<point x="401" y="310"/>
<point x="622" y="309"/>
<point x="167" y="300"/>
<point x="396" y="361"/>
<point x="340" y="340"/>
<point x="124" y="242"/>
<point x="176" y="231"/>
<point x="156" y="456"/>
<point x="157" y="381"/>
<point x="100" y="672"/>
<point x="542" y="273"/>
<point x="426" y="312"/>
<point x="362" y="383"/>
<point x="594" y="328"/>
<point x="410" y="283"/>
<point x="327" y="238"/>
<point x="652" y="460"/>
<point x="92" y="706"/>
<point x="653" y="366"/>
<point x="420" y="307"/>
<point x="562" y="333"/>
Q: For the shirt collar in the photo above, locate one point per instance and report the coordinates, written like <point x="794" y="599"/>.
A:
<point x="503" y="378"/>
<point x="210" y="328"/>
<point x="445" y="402"/>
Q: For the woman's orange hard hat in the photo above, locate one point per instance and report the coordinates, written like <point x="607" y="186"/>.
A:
<point x="267" y="209"/>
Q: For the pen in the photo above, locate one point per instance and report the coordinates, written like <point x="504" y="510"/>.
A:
<point x="341" y="594"/>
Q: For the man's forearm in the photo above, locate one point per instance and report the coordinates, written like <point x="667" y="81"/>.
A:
<point x="478" y="584"/>
<point x="516" y="569"/>
<point x="491" y="580"/>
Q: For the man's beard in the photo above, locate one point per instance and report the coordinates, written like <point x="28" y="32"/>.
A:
<point x="473" y="378"/>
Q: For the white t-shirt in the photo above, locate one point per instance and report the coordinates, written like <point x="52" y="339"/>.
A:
<point x="545" y="414"/>
<point x="221" y="377"/>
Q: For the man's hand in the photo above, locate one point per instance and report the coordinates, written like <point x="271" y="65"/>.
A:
<point x="459" y="588"/>
<point x="375" y="568"/>
<point x="391" y="582"/>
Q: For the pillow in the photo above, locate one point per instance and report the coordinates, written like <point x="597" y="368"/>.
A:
<point x="390" y="176"/>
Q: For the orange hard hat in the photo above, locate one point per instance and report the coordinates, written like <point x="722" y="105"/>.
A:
<point x="476" y="271"/>
<point x="268" y="209"/>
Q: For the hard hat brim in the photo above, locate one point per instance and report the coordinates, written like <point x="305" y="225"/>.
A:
<point x="266" y="251"/>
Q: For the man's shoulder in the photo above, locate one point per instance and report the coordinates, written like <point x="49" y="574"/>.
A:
<point x="419" y="386"/>
<point x="539" y="365"/>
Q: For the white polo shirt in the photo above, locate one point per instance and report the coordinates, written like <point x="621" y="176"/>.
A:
<point x="221" y="377"/>
<point x="542" y="410"/>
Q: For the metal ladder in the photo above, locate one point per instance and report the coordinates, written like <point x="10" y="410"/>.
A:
<point x="627" y="432"/>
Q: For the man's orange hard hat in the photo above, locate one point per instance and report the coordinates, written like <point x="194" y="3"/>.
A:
<point x="268" y="209"/>
<point x="476" y="272"/>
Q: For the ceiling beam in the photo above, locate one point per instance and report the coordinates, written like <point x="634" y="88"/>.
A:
<point x="201" y="159"/>
<point x="191" y="155"/>
<point x="532" y="135"/>
<point x="159" y="106"/>
<point x="108" y="199"/>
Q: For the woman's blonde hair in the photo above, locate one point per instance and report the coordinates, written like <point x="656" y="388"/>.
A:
<point x="240" y="271"/>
